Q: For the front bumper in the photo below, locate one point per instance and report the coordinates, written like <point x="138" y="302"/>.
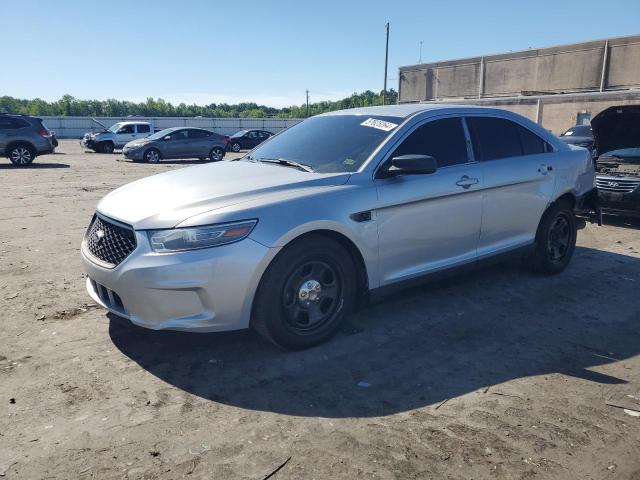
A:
<point x="204" y="290"/>
<point x="133" y="153"/>
<point x="620" y="203"/>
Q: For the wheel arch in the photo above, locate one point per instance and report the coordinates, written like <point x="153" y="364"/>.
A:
<point x="362" y="272"/>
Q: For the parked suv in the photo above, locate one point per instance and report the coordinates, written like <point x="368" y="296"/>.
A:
<point x="339" y="208"/>
<point x="116" y="136"/>
<point x="23" y="138"/>
<point x="247" y="139"/>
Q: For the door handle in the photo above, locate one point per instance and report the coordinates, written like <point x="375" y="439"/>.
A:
<point x="466" y="181"/>
<point x="544" y="168"/>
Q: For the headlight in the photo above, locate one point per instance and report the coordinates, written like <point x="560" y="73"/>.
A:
<point x="139" y="144"/>
<point x="193" y="238"/>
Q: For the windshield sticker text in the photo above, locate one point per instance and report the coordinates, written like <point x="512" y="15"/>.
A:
<point x="379" y="124"/>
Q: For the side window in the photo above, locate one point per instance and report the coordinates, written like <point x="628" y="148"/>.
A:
<point x="198" y="134"/>
<point x="442" y="139"/>
<point x="252" y="134"/>
<point x="142" y="128"/>
<point x="531" y="143"/>
<point x="180" y="135"/>
<point x="9" y="123"/>
<point x="495" y="138"/>
<point x="126" y="129"/>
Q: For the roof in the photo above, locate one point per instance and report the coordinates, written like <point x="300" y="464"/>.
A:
<point x="403" y="110"/>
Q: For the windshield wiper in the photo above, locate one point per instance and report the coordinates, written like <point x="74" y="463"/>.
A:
<point x="287" y="163"/>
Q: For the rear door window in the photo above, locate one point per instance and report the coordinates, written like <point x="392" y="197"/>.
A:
<point x="198" y="134"/>
<point x="442" y="139"/>
<point x="126" y="129"/>
<point x="495" y="138"/>
<point x="142" y="128"/>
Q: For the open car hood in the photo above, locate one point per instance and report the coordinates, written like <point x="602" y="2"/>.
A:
<point x="102" y="125"/>
<point x="616" y="128"/>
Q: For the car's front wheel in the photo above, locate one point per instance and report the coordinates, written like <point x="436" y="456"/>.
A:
<point x="235" y="146"/>
<point x="152" y="156"/>
<point x="107" y="147"/>
<point x="216" y="154"/>
<point x="306" y="293"/>
<point x="21" y="155"/>
<point x="555" y="239"/>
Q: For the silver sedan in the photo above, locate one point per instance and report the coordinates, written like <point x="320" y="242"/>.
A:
<point x="295" y="235"/>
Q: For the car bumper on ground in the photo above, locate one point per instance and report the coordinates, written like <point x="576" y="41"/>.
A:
<point x="87" y="143"/>
<point x="204" y="290"/>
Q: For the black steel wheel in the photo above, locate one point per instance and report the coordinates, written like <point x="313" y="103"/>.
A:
<point x="306" y="293"/>
<point x="555" y="239"/>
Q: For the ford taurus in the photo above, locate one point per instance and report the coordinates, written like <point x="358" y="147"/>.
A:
<point x="296" y="234"/>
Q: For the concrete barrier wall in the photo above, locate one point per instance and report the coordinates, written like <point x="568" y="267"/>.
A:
<point x="76" y="127"/>
<point x="601" y="65"/>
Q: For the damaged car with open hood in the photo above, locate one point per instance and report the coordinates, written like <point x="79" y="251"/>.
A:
<point x="616" y="131"/>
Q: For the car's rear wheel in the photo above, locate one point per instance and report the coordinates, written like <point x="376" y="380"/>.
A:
<point x="305" y="294"/>
<point x="555" y="239"/>
<point x="152" y="156"/>
<point x="216" y="154"/>
<point x="21" y="154"/>
<point x="235" y="146"/>
<point x="107" y="147"/>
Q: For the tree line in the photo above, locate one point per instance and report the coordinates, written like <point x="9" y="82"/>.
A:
<point x="71" y="106"/>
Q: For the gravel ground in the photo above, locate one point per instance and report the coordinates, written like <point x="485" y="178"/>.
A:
<point x="498" y="374"/>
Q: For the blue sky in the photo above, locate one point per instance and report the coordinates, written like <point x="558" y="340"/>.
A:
<point x="269" y="51"/>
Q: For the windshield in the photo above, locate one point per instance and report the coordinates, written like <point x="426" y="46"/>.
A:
<point x="115" y="127"/>
<point x="578" y="131"/>
<point x="239" y="134"/>
<point x="331" y="144"/>
<point x="161" y="134"/>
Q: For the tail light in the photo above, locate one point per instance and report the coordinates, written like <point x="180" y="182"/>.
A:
<point x="45" y="133"/>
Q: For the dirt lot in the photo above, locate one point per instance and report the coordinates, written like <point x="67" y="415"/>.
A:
<point x="500" y="374"/>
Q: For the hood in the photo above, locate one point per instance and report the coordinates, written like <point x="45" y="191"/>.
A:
<point x="167" y="199"/>
<point x="101" y="125"/>
<point x="616" y="128"/>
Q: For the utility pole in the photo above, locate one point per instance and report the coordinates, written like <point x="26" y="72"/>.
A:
<point x="386" y="61"/>
<point x="307" y="103"/>
<point x="420" y="59"/>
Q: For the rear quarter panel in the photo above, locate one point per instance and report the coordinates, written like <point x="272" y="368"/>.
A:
<point x="574" y="172"/>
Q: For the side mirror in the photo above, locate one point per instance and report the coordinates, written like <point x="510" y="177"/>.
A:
<point x="412" y="165"/>
<point x="168" y="137"/>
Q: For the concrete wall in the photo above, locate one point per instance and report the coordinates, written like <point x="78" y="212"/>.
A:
<point x="75" y="127"/>
<point x="557" y="112"/>
<point x="589" y="66"/>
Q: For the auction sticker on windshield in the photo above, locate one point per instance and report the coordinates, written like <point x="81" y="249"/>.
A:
<point x="379" y="124"/>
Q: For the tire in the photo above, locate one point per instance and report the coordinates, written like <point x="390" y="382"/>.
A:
<point x="21" y="154"/>
<point x="235" y="146"/>
<point x="555" y="240"/>
<point x="305" y="294"/>
<point x="107" y="147"/>
<point x="216" y="154"/>
<point x="152" y="156"/>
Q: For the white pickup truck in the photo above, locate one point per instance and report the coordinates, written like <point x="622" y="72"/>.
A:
<point x="116" y="136"/>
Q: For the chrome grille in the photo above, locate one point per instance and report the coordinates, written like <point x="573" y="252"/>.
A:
<point x="108" y="242"/>
<point x="613" y="184"/>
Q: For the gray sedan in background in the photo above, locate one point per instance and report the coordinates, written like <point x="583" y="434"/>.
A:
<point x="177" y="142"/>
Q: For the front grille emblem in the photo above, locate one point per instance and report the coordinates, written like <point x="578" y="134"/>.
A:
<point x="99" y="234"/>
<point x="613" y="184"/>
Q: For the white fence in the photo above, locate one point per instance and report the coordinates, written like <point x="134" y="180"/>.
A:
<point x="76" y="127"/>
